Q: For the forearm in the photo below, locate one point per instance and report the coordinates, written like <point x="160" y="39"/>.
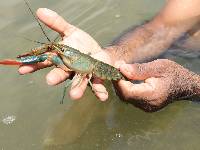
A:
<point x="185" y="84"/>
<point x="190" y="86"/>
<point x="153" y="38"/>
<point x="144" y="43"/>
<point x="196" y="85"/>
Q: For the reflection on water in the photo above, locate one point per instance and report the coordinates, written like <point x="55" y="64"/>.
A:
<point x="8" y="119"/>
<point x="66" y="127"/>
<point x="35" y="118"/>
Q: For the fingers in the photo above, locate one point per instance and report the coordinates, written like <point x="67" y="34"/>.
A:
<point x="100" y="90"/>
<point x="78" y="91"/>
<point x="24" y="69"/>
<point x="135" y="91"/>
<point x="56" y="76"/>
<point x="54" y="21"/>
<point x="141" y="71"/>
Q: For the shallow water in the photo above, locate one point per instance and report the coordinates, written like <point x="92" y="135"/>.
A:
<point x="30" y="114"/>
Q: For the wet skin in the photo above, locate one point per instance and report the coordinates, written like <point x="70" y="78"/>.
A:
<point x="142" y="43"/>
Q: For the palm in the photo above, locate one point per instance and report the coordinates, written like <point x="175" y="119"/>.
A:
<point x="82" y="41"/>
<point x="75" y="38"/>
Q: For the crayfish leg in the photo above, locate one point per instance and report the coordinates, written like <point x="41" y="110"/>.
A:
<point x="65" y="89"/>
<point x="93" y="89"/>
<point x="80" y="79"/>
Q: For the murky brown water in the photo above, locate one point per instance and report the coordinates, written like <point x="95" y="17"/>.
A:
<point x="31" y="117"/>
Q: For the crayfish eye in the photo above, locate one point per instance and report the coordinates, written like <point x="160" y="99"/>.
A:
<point x="62" y="49"/>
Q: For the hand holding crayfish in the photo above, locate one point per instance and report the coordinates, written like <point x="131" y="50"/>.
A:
<point x="163" y="79"/>
<point x="75" y="38"/>
<point x="163" y="82"/>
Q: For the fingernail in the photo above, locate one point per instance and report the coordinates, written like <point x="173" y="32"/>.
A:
<point x="52" y="79"/>
<point x="119" y="63"/>
<point x="103" y="97"/>
<point x="47" y="12"/>
<point x="75" y="94"/>
<point x="126" y="68"/>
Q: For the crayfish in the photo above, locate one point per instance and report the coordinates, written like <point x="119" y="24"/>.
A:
<point x="68" y="59"/>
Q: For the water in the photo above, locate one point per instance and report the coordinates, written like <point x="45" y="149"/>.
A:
<point x="31" y="117"/>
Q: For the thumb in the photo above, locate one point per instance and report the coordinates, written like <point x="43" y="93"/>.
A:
<point x="54" y="21"/>
<point x="140" y="71"/>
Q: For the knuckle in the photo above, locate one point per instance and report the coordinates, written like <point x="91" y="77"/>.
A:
<point x="139" y="67"/>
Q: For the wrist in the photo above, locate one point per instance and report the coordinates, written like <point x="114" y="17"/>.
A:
<point x="114" y="53"/>
<point x="104" y="56"/>
<point x="186" y="85"/>
<point x="195" y="84"/>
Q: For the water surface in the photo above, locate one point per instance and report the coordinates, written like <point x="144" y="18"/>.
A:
<point x="30" y="114"/>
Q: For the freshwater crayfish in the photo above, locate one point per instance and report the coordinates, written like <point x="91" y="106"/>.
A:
<point x="68" y="59"/>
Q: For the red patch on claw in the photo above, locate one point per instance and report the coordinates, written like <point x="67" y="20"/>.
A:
<point x="10" y="62"/>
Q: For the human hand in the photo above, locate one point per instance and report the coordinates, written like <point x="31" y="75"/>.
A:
<point x="164" y="81"/>
<point x="76" y="38"/>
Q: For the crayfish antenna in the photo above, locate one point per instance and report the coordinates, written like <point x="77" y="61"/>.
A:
<point x="31" y="11"/>
<point x="10" y="62"/>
